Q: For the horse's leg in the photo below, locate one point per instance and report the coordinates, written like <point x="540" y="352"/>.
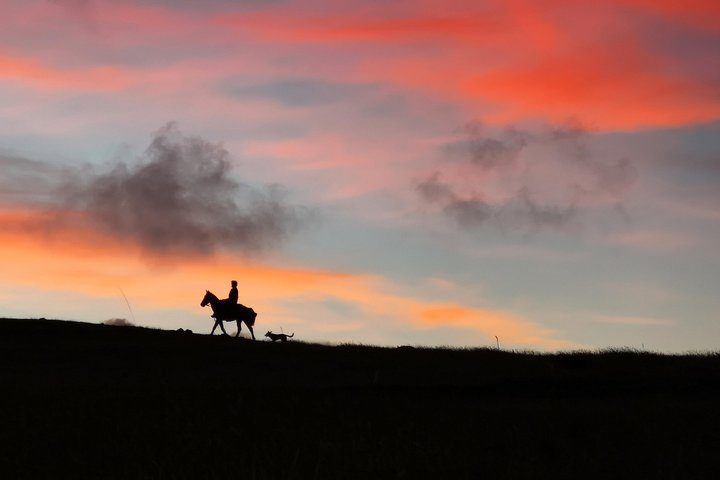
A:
<point x="239" y="327"/>
<point x="251" y="331"/>
<point x="222" y="327"/>
<point x="214" y="327"/>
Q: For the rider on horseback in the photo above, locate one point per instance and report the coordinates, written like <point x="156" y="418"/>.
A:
<point x="228" y="310"/>
<point x="233" y="295"/>
<point x="232" y="300"/>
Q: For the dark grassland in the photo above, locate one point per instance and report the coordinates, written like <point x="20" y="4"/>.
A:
<point x="92" y="401"/>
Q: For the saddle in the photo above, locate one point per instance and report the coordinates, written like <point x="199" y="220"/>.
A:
<point x="236" y="311"/>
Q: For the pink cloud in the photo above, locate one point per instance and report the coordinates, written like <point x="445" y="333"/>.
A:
<point x="28" y="70"/>
<point x="504" y="61"/>
<point x="572" y="61"/>
<point x="656" y="240"/>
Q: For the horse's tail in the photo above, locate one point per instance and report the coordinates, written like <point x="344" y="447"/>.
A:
<point x="251" y="315"/>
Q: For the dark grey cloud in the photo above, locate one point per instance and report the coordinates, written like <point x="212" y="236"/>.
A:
<point x="521" y="210"/>
<point x="552" y="216"/>
<point x="297" y="92"/>
<point x="571" y="129"/>
<point x="613" y="177"/>
<point x="552" y="178"/>
<point x="180" y="195"/>
<point x="469" y="212"/>
<point x="488" y="152"/>
<point x="434" y="190"/>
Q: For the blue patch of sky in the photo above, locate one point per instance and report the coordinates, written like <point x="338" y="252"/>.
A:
<point x="297" y="92"/>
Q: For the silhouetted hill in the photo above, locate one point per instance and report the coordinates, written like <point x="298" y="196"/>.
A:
<point x="96" y="401"/>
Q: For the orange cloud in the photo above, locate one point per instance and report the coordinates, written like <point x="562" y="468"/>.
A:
<point x="89" y="265"/>
<point x="506" y="326"/>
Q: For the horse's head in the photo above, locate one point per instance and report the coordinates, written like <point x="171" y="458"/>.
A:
<point x="206" y="299"/>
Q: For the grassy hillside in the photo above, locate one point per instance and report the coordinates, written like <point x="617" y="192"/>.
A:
<point x="93" y="401"/>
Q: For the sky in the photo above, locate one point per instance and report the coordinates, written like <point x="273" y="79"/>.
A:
<point x="409" y="172"/>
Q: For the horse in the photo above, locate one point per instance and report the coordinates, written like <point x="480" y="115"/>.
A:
<point x="224" y="312"/>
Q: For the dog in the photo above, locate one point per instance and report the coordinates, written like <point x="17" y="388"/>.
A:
<point x="278" y="336"/>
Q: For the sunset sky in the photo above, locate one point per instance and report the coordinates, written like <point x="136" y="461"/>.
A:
<point x="385" y="172"/>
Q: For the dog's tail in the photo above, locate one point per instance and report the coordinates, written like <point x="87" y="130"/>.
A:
<point x="290" y="336"/>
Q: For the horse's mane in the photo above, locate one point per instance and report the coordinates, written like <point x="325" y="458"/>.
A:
<point x="214" y="297"/>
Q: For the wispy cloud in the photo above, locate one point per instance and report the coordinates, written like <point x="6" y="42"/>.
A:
<point x="43" y="76"/>
<point x="634" y="320"/>
<point x="662" y="241"/>
<point x="297" y="92"/>
<point x="519" y="179"/>
<point x="27" y="182"/>
<point x="509" y="62"/>
<point x="335" y="306"/>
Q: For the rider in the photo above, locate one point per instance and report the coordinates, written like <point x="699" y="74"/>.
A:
<point x="232" y="299"/>
<point x="233" y="295"/>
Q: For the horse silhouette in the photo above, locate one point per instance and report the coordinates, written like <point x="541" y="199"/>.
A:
<point x="228" y="312"/>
